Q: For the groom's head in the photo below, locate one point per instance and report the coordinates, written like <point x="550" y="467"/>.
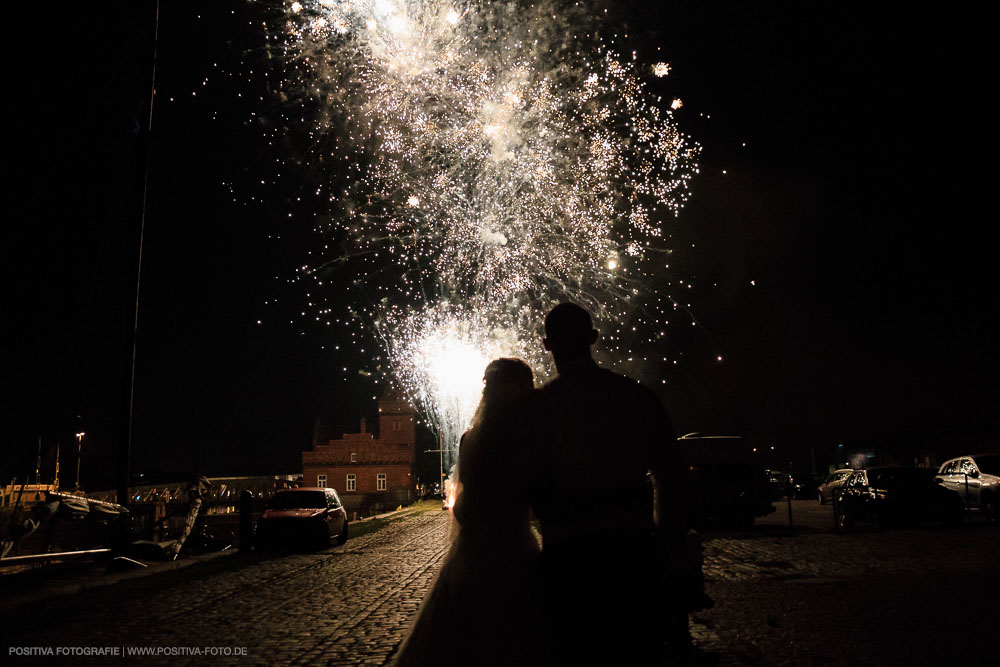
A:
<point x="569" y="332"/>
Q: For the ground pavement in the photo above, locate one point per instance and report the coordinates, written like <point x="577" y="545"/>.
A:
<point x="781" y="598"/>
<point x="925" y="595"/>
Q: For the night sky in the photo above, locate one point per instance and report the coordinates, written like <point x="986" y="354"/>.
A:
<point x="837" y="236"/>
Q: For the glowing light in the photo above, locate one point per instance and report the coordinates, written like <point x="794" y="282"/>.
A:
<point x="676" y="104"/>
<point x="451" y="491"/>
<point x="413" y="201"/>
<point x="439" y="355"/>
<point x="398" y="24"/>
<point x="661" y="69"/>
<point x="452" y="17"/>
<point x="455" y="369"/>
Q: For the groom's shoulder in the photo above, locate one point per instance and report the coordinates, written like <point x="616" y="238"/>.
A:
<point x="602" y="377"/>
<point x="630" y="386"/>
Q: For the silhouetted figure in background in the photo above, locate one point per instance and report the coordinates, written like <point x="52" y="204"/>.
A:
<point x="483" y="607"/>
<point x="599" y="434"/>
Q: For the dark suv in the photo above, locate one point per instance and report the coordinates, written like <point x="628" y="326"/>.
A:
<point x="730" y="489"/>
<point x="884" y="495"/>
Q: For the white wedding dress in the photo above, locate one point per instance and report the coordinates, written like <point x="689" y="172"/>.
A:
<point x="483" y="608"/>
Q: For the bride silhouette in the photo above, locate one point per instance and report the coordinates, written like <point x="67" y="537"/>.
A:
<point x="483" y="607"/>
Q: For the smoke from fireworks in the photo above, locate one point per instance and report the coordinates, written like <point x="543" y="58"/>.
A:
<point x="487" y="161"/>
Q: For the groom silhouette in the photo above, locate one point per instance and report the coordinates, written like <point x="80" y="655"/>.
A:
<point x="602" y="437"/>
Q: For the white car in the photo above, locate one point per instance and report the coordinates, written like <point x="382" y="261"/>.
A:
<point x="832" y="483"/>
<point x="976" y="478"/>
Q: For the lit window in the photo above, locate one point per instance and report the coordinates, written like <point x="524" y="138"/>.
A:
<point x="352" y="482"/>
<point x="321" y="481"/>
<point x="354" y="457"/>
<point x="380" y="482"/>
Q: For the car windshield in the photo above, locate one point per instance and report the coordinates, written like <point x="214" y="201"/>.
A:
<point x="289" y="500"/>
<point x="989" y="464"/>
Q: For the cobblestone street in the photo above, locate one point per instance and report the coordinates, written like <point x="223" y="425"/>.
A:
<point x="809" y="596"/>
<point x="351" y="605"/>
<point x="347" y="605"/>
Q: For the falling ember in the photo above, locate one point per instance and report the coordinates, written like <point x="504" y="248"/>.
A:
<point x="676" y="104"/>
<point x="546" y="172"/>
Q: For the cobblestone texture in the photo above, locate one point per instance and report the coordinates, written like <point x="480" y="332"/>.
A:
<point x="351" y="605"/>
<point x="906" y="596"/>
<point x="347" y="605"/>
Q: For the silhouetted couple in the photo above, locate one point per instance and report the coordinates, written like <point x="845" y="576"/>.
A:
<point x="594" y="455"/>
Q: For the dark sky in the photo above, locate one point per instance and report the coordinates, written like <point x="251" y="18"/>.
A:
<point x="841" y="262"/>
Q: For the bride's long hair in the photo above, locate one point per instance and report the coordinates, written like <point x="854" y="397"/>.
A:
<point x="508" y="381"/>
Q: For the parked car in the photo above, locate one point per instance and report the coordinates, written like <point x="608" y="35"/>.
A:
<point x="730" y="489"/>
<point x="833" y="482"/>
<point x="777" y="483"/>
<point x="302" y="516"/>
<point x="976" y="478"/>
<point x="886" y="495"/>
<point x="803" y="484"/>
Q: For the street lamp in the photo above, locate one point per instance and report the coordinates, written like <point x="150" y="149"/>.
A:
<point x="79" y="449"/>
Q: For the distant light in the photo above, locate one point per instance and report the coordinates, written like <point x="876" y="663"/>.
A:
<point x="676" y="104"/>
<point x="661" y="69"/>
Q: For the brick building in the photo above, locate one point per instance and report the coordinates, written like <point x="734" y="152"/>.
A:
<point x="371" y="471"/>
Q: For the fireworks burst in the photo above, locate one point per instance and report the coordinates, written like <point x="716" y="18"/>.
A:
<point x="491" y="160"/>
